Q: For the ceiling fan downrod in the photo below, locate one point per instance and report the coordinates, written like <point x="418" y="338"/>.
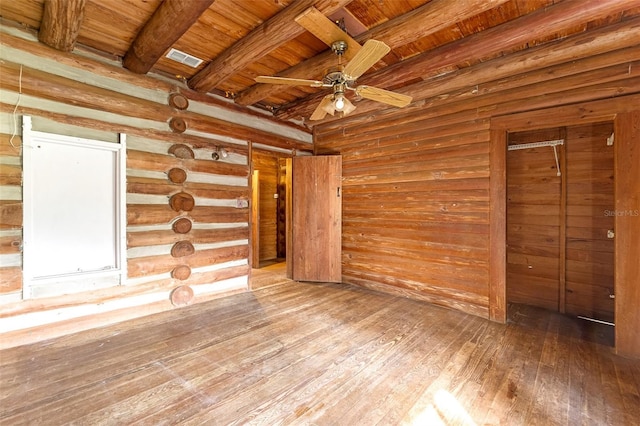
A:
<point x="339" y="47"/>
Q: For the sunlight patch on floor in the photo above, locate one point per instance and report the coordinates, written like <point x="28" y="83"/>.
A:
<point x="445" y="410"/>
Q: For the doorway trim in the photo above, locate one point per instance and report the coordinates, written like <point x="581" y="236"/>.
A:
<point x="567" y="115"/>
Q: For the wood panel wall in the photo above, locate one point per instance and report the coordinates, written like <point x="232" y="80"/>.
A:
<point x="559" y="256"/>
<point x="281" y="237"/>
<point x="86" y="97"/>
<point x="627" y="225"/>
<point x="534" y="216"/>
<point x="416" y="180"/>
<point x="590" y="202"/>
<point x="271" y="229"/>
<point x="267" y="164"/>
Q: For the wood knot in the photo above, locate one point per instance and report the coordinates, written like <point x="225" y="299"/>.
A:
<point x="512" y="390"/>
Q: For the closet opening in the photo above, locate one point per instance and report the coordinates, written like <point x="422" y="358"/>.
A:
<point x="560" y="230"/>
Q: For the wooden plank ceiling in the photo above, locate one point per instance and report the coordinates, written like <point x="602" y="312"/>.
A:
<point x="241" y="39"/>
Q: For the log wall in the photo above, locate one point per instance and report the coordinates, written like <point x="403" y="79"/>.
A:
<point x="92" y="98"/>
<point x="417" y="195"/>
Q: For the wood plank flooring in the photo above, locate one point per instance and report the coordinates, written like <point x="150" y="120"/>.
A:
<point x="323" y="354"/>
<point x="270" y="273"/>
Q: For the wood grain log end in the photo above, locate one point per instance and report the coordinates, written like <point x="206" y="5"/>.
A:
<point x="177" y="175"/>
<point x="178" y="125"/>
<point x="182" y="201"/>
<point x="181" y="272"/>
<point x="181" y="151"/>
<point x="178" y="101"/>
<point x="182" y="249"/>
<point x="182" y="296"/>
<point x="182" y="226"/>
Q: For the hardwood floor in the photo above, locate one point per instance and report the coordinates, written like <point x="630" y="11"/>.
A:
<point x="270" y="273"/>
<point x="323" y="354"/>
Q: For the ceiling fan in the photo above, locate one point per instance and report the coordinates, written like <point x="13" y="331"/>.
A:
<point x="342" y="78"/>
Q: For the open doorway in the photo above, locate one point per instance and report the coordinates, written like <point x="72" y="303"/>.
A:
<point x="560" y="247"/>
<point x="625" y="120"/>
<point x="269" y="192"/>
<point x="560" y="186"/>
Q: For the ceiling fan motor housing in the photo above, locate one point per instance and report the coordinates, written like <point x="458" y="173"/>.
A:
<point x="335" y="76"/>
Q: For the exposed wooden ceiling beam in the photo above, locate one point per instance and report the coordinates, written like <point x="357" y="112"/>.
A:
<point x="550" y="60"/>
<point x="264" y="39"/>
<point x="421" y="22"/>
<point x="61" y="21"/>
<point x="168" y="23"/>
<point x="490" y="42"/>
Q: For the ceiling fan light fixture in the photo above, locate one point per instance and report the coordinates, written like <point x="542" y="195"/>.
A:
<point x="339" y="102"/>
<point x="329" y="107"/>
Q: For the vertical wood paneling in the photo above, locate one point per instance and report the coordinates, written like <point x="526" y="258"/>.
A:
<point x="590" y="195"/>
<point x="255" y="218"/>
<point x="559" y="255"/>
<point x="498" y="226"/>
<point x="533" y="221"/>
<point x="267" y="165"/>
<point x="561" y="155"/>
<point x="627" y="241"/>
<point x="281" y="218"/>
<point x="317" y="218"/>
<point x="273" y="196"/>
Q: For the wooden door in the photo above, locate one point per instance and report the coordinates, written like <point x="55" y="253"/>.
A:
<point x="315" y="226"/>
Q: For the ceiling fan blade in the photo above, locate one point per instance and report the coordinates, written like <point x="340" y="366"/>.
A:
<point x="371" y="52"/>
<point x="324" y="107"/>
<point x="326" y="30"/>
<point x="289" y="81"/>
<point x="384" y="96"/>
